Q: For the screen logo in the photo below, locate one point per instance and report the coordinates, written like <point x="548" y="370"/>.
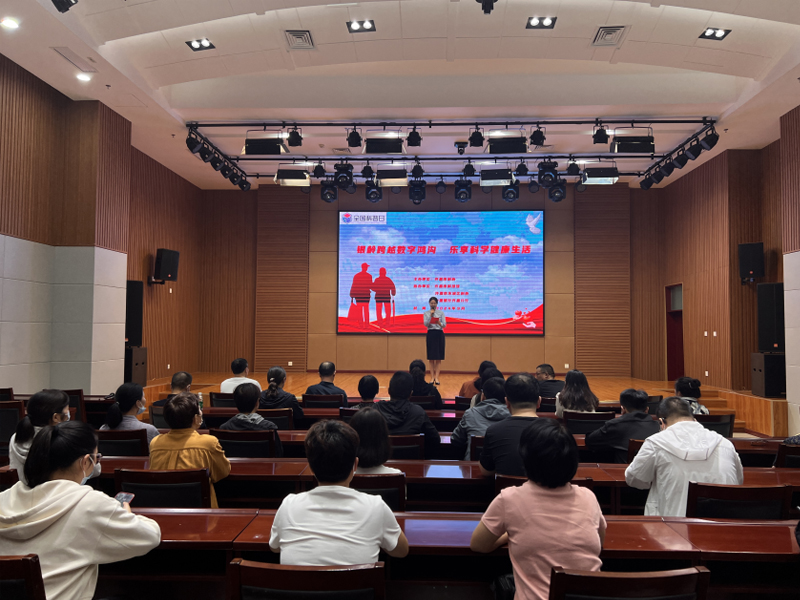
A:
<point x="362" y="218"/>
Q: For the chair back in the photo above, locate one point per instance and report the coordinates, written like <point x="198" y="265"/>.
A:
<point x="218" y="399"/>
<point x="586" y="422"/>
<point x="406" y="447"/>
<point x="251" y="580"/>
<point x="681" y="584"/>
<point x="76" y="402"/>
<point x="463" y="402"/>
<point x="345" y="414"/>
<point x="282" y="417"/>
<point x="653" y="402"/>
<point x="722" y="424"/>
<point x="788" y="457"/>
<point x="165" y="489"/>
<point x="246" y="444"/>
<point x="633" y="449"/>
<point x="547" y="405"/>
<point x="125" y="442"/>
<point x="711" y="501"/>
<point x="11" y="413"/>
<point x="94" y="411"/>
<point x="323" y="401"/>
<point x="502" y="482"/>
<point x="6" y="394"/>
<point x="424" y="402"/>
<point x="8" y="478"/>
<point x="391" y="487"/>
<point x="21" y="578"/>
<point x="157" y="419"/>
<point x="475" y="447"/>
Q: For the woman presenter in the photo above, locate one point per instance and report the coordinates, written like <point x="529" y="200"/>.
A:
<point x="435" y="324"/>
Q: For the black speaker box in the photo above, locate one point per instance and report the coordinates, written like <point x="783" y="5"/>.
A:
<point x="768" y="373"/>
<point x="136" y="365"/>
<point x="166" y="265"/>
<point x="134" y="312"/>
<point x="751" y="260"/>
<point x="771" y="333"/>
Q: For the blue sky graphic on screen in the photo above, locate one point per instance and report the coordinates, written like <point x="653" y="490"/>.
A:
<point x="486" y="268"/>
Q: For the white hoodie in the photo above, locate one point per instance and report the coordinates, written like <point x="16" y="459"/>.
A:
<point x="670" y="459"/>
<point x="18" y="454"/>
<point x="72" y="528"/>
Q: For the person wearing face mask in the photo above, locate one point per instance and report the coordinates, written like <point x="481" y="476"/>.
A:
<point x="71" y="527"/>
<point x="121" y="416"/>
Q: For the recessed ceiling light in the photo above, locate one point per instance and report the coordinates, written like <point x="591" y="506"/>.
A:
<point x="9" y="23"/>
<point x="195" y="44"/>
<point x="84" y="77"/>
<point x="205" y="43"/>
<point x="367" y="25"/>
<point x="200" y="44"/>
<point x="714" y="33"/>
<point x="360" y="26"/>
<point x="534" y="21"/>
<point x="541" y="23"/>
<point x="355" y="25"/>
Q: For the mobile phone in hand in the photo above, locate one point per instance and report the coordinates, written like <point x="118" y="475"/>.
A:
<point x="123" y="497"/>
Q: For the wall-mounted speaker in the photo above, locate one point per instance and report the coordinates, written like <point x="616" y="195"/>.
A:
<point x="166" y="265"/>
<point x="751" y="260"/>
<point x="134" y="313"/>
<point x="771" y="333"/>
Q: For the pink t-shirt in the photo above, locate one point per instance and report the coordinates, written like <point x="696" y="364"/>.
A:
<point x="546" y="528"/>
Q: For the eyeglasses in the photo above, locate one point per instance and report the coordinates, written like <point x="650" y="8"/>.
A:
<point x="65" y="417"/>
<point x="96" y="458"/>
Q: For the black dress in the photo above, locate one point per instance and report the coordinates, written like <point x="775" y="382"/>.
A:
<point x="434" y="343"/>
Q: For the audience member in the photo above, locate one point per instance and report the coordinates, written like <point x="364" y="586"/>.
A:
<point x="368" y="388"/>
<point x="183" y="448"/>
<point x="247" y="397"/>
<point x="374" y="448"/>
<point x="181" y="382"/>
<point x="48" y="407"/>
<point x="500" y="452"/>
<point x="333" y="524"/>
<point x="325" y="387"/>
<point x="71" y="527"/>
<point x="469" y="388"/>
<point x="549" y="386"/>
<point x="681" y="452"/>
<point x="121" y="415"/>
<point x="612" y="439"/>
<point x="576" y="395"/>
<point x="422" y="387"/>
<point x="405" y="418"/>
<point x="547" y="522"/>
<point x="476" y="420"/>
<point x="276" y="397"/>
<point x="241" y="370"/>
<point x="487" y="374"/>
<point x="689" y="389"/>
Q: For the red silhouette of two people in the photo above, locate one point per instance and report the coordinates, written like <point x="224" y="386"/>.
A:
<point x="361" y="292"/>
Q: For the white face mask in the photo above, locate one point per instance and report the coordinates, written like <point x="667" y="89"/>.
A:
<point x="96" y="470"/>
<point x="141" y="410"/>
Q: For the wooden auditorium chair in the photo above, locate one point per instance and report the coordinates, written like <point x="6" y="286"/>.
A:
<point x="188" y="488"/>
<point x="653" y="402"/>
<point x="788" y="457"/>
<point x="11" y="413"/>
<point x="126" y="442"/>
<point x="722" y="424"/>
<point x="282" y="417"/>
<point x="94" y="411"/>
<point x="633" y="449"/>
<point x="157" y="419"/>
<point x="246" y="444"/>
<point x="547" y="405"/>
<point x="390" y="487"/>
<point x="220" y="400"/>
<point x="21" y="578"/>
<point x="6" y="394"/>
<point x="462" y="402"/>
<point x="586" y="422"/>
<point x="323" y="401"/>
<point x="681" y="584"/>
<point x="501" y="482"/>
<point x="713" y="501"/>
<point x="345" y="414"/>
<point x="424" y="402"/>
<point x="76" y="403"/>
<point x="475" y="447"/>
<point x="405" y="447"/>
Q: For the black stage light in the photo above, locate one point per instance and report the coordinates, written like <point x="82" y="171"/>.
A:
<point x="319" y="171"/>
<point x="647" y="182"/>
<point x="295" y="138"/>
<point x="476" y="138"/>
<point x="469" y="170"/>
<point x="417" y="172"/>
<point x="306" y="189"/>
<point x="416" y="190"/>
<point x="367" y="172"/>
<point x="350" y="189"/>
<point x="206" y="153"/>
<point x="521" y="170"/>
<point x="441" y="187"/>
<point x="343" y="175"/>
<point x="486" y="5"/>
<point x="373" y="191"/>
<point x="511" y="192"/>
<point x="680" y="160"/>
<point x="694" y="150"/>
<point x="508" y="145"/>
<point x="226" y="171"/>
<point x="244" y="185"/>
<point x="633" y="144"/>
<point x="573" y="168"/>
<point x="580" y="187"/>
<point x="235" y="177"/>
<point x="710" y="140"/>
<point x="657" y="175"/>
<point x="486" y="189"/>
<point x="557" y="192"/>
<point x="354" y="138"/>
<point x="193" y="144"/>
<point x="413" y="138"/>
<point x="668" y="168"/>
<point x="600" y="135"/>
<point x="548" y="173"/>
<point x="63" y="6"/>
<point x="461" y="147"/>
<point x="463" y="189"/>
<point x="537" y="137"/>
<point x="533" y="186"/>
<point x="217" y="162"/>
<point x="328" y="191"/>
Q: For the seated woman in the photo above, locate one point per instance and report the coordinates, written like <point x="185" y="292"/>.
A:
<point x="539" y="535"/>
<point x="246" y="396"/>
<point x="183" y="447"/>
<point x="71" y="527"/>
<point x="487" y="374"/>
<point x="470" y="388"/>
<point x="368" y="388"/>
<point x="373" y="443"/>
<point x="121" y="416"/>
<point x="422" y="387"/>
<point x="576" y="395"/>
<point x="689" y="389"/>
<point x="276" y="397"/>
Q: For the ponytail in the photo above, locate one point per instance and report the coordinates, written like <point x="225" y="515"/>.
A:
<point x="276" y="376"/>
<point x="688" y="387"/>
<point x="127" y="395"/>
<point x="41" y="408"/>
<point x="56" y="448"/>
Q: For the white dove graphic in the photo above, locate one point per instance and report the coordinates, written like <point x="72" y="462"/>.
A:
<point x="532" y="222"/>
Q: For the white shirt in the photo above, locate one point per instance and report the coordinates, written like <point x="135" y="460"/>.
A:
<point x="333" y="525"/>
<point x="227" y="386"/>
<point x="670" y="459"/>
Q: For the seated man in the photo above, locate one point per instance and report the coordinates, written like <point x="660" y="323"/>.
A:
<point x="240" y="370"/>
<point x="476" y="420"/>
<point x="333" y="524"/>
<point x="325" y="387"/>
<point x="183" y="448"/>
<point x="181" y="382"/>
<point x="681" y="452"/>
<point x="500" y="452"/>
<point x="549" y="386"/>
<point x="405" y="418"/>
<point x="611" y="440"/>
<point x="247" y="397"/>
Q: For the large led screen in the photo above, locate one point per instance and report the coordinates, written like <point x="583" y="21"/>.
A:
<point x="486" y="269"/>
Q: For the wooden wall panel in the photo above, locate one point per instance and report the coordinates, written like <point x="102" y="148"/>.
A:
<point x="113" y="181"/>
<point x="282" y="278"/>
<point x="771" y="211"/>
<point x="790" y="180"/>
<point x="602" y="281"/>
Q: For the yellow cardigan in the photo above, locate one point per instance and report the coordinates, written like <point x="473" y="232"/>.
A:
<point x="187" y="449"/>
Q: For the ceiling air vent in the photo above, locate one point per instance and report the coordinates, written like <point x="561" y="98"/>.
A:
<point x="338" y="151"/>
<point x="76" y="60"/>
<point x="609" y="36"/>
<point x="299" y="39"/>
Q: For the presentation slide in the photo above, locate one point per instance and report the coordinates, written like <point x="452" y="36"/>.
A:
<point x="486" y="269"/>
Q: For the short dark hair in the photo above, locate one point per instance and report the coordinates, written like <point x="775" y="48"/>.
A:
<point x="181" y="380"/>
<point x="433" y="298"/>
<point x="331" y="448"/>
<point x="546" y="369"/>
<point x="39" y="412"/>
<point x="674" y="407"/>
<point x="373" y="435"/>
<point x="327" y="369"/>
<point x="495" y="388"/>
<point x="549" y="453"/>
<point x="238" y="366"/>
<point x="368" y="387"/>
<point x="246" y="397"/>
<point x="522" y="390"/>
<point x="688" y="387"/>
<point x="417" y="364"/>
<point x="634" y="400"/>
<point x="487" y="374"/>
<point x="179" y="411"/>
<point x="56" y="447"/>
<point x="485" y="365"/>
<point x="400" y="385"/>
